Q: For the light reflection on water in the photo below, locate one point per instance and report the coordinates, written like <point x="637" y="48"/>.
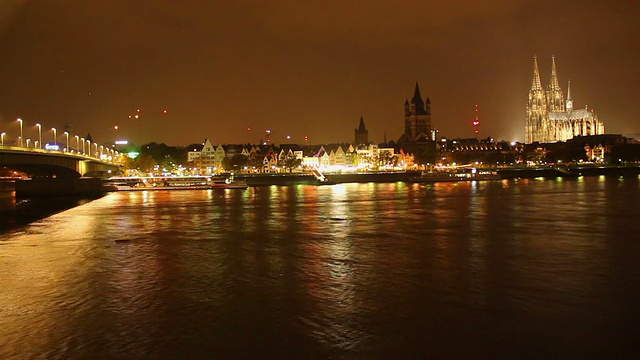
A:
<point x="352" y="270"/>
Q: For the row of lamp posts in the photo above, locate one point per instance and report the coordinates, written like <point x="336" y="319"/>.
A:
<point x="85" y="149"/>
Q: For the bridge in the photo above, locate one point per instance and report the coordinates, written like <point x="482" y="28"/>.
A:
<point x="40" y="163"/>
<point x="60" y="172"/>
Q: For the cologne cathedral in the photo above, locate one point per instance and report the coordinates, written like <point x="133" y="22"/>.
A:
<point x="550" y="118"/>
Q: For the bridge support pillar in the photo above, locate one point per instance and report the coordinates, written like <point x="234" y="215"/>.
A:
<point x="84" y="187"/>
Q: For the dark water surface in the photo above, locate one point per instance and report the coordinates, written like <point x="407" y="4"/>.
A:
<point x="513" y="268"/>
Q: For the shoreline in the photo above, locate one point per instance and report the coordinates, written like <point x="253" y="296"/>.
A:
<point x="505" y="173"/>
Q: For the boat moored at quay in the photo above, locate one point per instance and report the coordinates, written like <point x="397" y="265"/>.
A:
<point x="453" y="175"/>
<point x="143" y="183"/>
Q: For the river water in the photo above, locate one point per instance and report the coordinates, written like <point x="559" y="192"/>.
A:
<point x="515" y="268"/>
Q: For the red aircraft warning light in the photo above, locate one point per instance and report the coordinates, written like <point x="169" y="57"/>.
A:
<point x="476" y="122"/>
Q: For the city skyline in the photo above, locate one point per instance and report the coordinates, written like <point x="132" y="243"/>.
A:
<point x="214" y="71"/>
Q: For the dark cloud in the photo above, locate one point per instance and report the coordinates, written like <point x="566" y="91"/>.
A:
<point x="307" y="67"/>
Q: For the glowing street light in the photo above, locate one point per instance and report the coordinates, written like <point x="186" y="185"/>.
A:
<point x="39" y="133"/>
<point x="2" y="137"/>
<point x="77" y="143"/>
<point x="28" y="141"/>
<point x="66" y="133"/>
<point x="55" y="136"/>
<point x="20" y="121"/>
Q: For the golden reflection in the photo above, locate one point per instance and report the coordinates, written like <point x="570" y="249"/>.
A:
<point x="329" y="279"/>
<point x="49" y="261"/>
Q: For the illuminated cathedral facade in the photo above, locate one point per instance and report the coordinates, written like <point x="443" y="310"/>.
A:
<point x="550" y="118"/>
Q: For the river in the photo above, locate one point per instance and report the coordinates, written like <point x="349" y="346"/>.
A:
<point x="528" y="268"/>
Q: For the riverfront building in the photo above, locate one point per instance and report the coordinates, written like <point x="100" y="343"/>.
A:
<point x="549" y="118"/>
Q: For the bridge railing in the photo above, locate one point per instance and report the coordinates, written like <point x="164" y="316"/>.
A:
<point x="103" y="154"/>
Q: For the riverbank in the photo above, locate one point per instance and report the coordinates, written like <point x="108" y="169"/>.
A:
<point x="506" y="173"/>
<point x="15" y="213"/>
<point x="297" y="178"/>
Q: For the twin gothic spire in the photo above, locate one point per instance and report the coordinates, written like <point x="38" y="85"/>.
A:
<point x="536" y="84"/>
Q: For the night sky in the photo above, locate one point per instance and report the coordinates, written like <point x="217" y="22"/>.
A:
<point x="307" y="67"/>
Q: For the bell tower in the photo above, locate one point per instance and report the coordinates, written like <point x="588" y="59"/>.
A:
<point x="555" y="97"/>
<point x="417" y="116"/>
<point x="536" y="108"/>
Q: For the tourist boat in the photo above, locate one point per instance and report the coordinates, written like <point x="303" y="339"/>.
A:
<point x="227" y="183"/>
<point x="457" y="174"/>
<point x="140" y="183"/>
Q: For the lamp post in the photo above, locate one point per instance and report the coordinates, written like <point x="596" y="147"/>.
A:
<point x="2" y="137"/>
<point x="77" y="143"/>
<point x="28" y="141"/>
<point x="88" y="147"/>
<point x="95" y="153"/>
<point x="55" y="136"/>
<point x="39" y="134"/>
<point x="66" y="133"/>
<point x="20" y="121"/>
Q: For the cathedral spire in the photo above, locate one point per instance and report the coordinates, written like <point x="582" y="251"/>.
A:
<point x="569" y="104"/>
<point x="536" y="85"/>
<point x="554" y="85"/>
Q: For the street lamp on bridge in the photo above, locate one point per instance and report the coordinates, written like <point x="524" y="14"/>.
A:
<point x="20" y="121"/>
<point x="39" y="134"/>
<point x="2" y="137"/>
<point x="77" y="143"/>
<point x="28" y="141"/>
<point x="55" y="136"/>
<point x="66" y="133"/>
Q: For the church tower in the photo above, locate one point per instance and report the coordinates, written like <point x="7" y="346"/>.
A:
<point x="361" y="134"/>
<point x="536" y="109"/>
<point x="555" y="97"/>
<point x="417" y="117"/>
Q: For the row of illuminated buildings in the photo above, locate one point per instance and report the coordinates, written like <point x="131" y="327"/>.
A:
<point x="290" y="157"/>
<point x="385" y="157"/>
